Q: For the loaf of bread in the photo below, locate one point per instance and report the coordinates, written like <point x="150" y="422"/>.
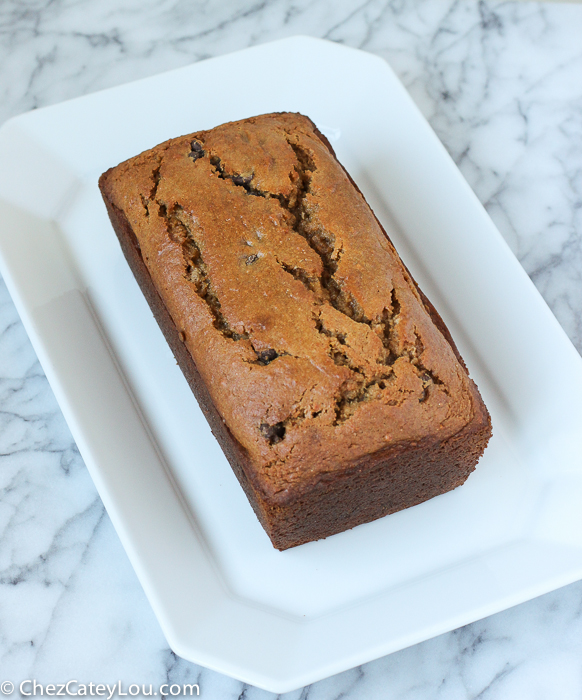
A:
<point x="331" y="383"/>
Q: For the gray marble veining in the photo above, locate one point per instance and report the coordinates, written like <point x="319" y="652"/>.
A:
<point x="501" y="84"/>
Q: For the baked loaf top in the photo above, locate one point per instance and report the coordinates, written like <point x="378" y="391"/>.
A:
<point x="312" y="338"/>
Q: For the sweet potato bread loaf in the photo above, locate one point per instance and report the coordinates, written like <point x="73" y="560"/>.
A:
<point x="328" y="378"/>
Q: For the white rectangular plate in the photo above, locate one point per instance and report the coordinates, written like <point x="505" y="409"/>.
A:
<point x="224" y="597"/>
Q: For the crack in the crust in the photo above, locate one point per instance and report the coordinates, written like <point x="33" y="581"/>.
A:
<point x="359" y="388"/>
<point x="320" y="240"/>
<point x="427" y="376"/>
<point x="238" y="180"/>
<point x="389" y="335"/>
<point x="196" y="270"/>
<point x="340" y="337"/>
<point x="146" y="201"/>
<point x="311" y="282"/>
<point x="156" y="177"/>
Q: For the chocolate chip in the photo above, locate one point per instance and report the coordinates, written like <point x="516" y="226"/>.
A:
<point x="241" y="181"/>
<point x="197" y="150"/>
<point x="273" y="433"/>
<point x="251" y="259"/>
<point x="266" y="356"/>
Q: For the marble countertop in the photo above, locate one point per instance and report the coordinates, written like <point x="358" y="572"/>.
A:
<point x="501" y="84"/>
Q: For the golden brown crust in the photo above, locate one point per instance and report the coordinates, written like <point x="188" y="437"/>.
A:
<point x="296" y="323"/>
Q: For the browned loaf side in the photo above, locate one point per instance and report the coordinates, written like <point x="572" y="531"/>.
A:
<point x="331" y="383"/>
